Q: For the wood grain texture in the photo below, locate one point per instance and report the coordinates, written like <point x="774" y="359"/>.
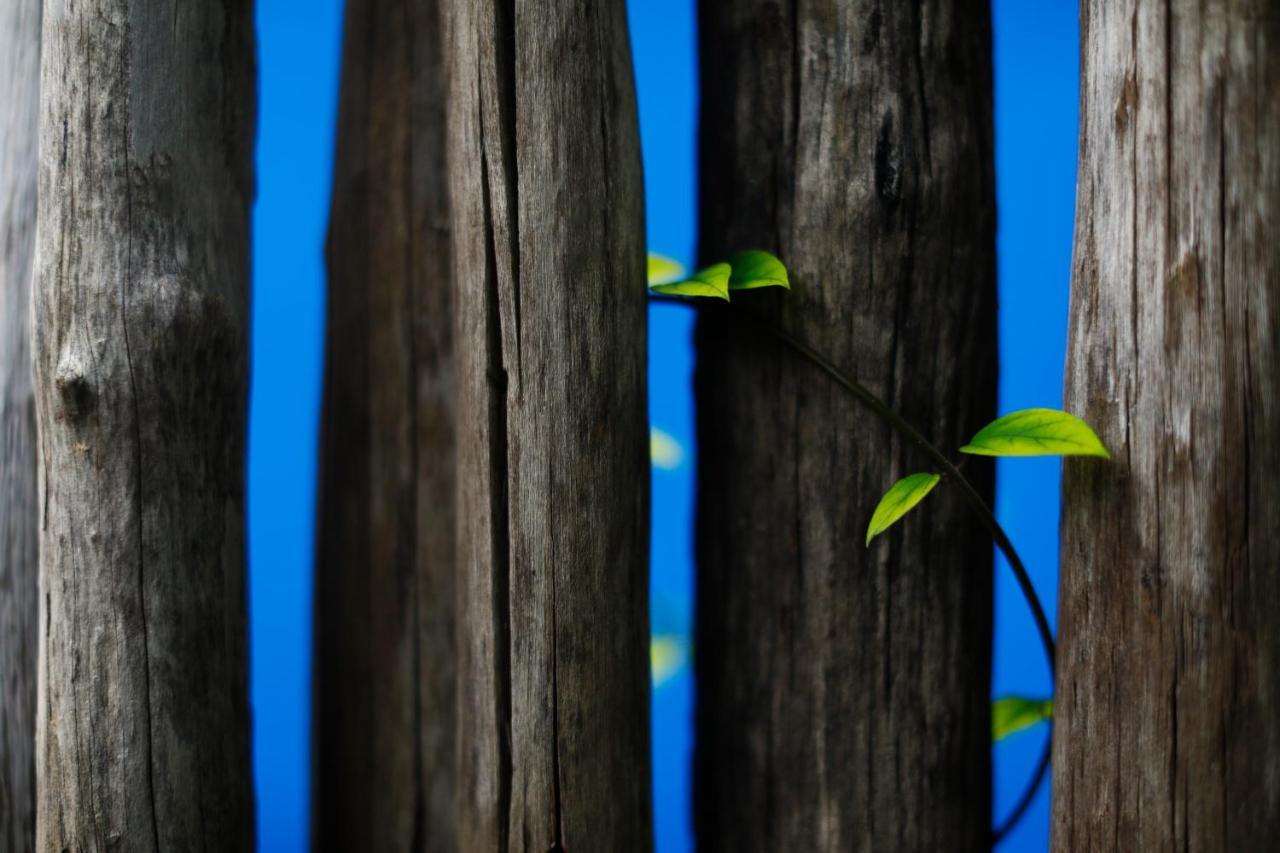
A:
<point x="19" y="120"/>
<point x="384" y="666"/>
<point x="141" y="309"/>
<point x="843" y="691"/>
<point x="553" y="437"/>
<point x="1168" y="736"/>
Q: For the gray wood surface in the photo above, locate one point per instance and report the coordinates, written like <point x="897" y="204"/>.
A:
<point x="553" y="437"/>
<point x="1168" y="736"/>
<point x="843" y="690"/>
<point x="141" y="309"/>
<point x="19" y="120"/>
<point x="384" y="631"/>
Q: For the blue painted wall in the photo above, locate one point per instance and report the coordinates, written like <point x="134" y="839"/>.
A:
<point x="1036" y="86"/>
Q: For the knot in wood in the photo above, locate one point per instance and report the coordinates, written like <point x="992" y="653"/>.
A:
<point x="75" y="391"/>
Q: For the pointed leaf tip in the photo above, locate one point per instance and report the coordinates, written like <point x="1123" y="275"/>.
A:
<point x="1037" y="432"/>
<point x="712" y="281"/>
<point x="901" y="498"/>
<point x="756" y="268"/>
<point x="1012" y="714"/>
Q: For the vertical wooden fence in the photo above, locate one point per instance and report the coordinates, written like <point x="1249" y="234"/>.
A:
<point x="842" y="690"/>
<point x="482" y="637"/>
<point x="141" y="365"/>
<point x="544" y="166"/>
<point x="1168" y="735"/>
<point x="384" y="630"/>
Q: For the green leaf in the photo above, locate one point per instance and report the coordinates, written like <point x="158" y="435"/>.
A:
<point x="1012" y="714"/>
<point x="664" y="451"/>
<point x="712" y="281"/>
<point x="900" y="500"/>
<point x="754" y="269"/>
<point x="663" y="270"/>
<point x="1036" y="432"/>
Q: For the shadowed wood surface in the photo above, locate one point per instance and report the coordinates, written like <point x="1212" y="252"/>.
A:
<point x="384" y="666"/>
<point x="544" y="165"/>
<point x="1168" y="736"/>
<point x="19" y="119"/>
<point x="141" y="307"/>
<point x="843" y="690"/>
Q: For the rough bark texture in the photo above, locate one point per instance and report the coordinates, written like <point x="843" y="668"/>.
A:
<point x="553" y="462"/>
<point x="1168" y="734"/>
<point x="19" y="119"/>
<point x="842" y="690"/>
<point x="385" y="670"/>
<point x="141" y="313"/>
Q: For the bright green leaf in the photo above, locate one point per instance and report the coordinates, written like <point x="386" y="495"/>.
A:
<point x="900" y="500"/>
<point x="1012" y="714"/>
<point x="712" y="281"/>
<point x="757" y="269"/>
<point x="664" y="451"/>
<point x="1036" y="432"/>
<point x="663" y="270"/>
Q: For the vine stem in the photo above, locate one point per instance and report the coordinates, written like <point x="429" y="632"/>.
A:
<point x="950" y="472"/>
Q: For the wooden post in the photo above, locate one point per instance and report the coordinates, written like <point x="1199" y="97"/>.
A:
<point x="19" y="119"/>
<point x="385" y="700"/>
<point x="1168" y="736"/>
<point x="141" y="323"/>
<point x="843" y="690"/>
<point x="552" y="430"/>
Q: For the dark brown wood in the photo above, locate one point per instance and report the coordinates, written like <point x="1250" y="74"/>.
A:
<point x="843" y="690"/>
<point x="553" y="438"/>
<point x="1168" y="734"/>
<point x="19" y="120"/>
<point x="384" y="635"/>
<point x="141" y="353"/>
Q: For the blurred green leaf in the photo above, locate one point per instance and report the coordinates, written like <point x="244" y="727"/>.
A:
<point x="1012" y="714"/>
<point x="663" y="270"/>
<point x="712" y="281"/>
<point x="664" y="451"/>
<point x="753" y="269"/>
<point x="1036" y="432"/>
<point x="900" y="500"/>
<point x="666" y="655"/>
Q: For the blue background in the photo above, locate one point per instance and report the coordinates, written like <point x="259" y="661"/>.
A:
<point x="1036" y="61"/>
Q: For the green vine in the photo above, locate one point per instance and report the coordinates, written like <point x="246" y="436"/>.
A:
<point x="1029" y="432"/>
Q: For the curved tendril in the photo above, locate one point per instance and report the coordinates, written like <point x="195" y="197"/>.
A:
<point x="1029" y="794"/>
<point x="951" y="472"/>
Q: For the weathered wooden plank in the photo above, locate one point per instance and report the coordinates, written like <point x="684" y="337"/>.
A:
<point x="1168" y="736"/>
<point x="843" y="691"/>
<point x="141" y="320"/>
<point x="19" y="120"/>
<point x="553" y="464"/>
<point x="384" y="668"/>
